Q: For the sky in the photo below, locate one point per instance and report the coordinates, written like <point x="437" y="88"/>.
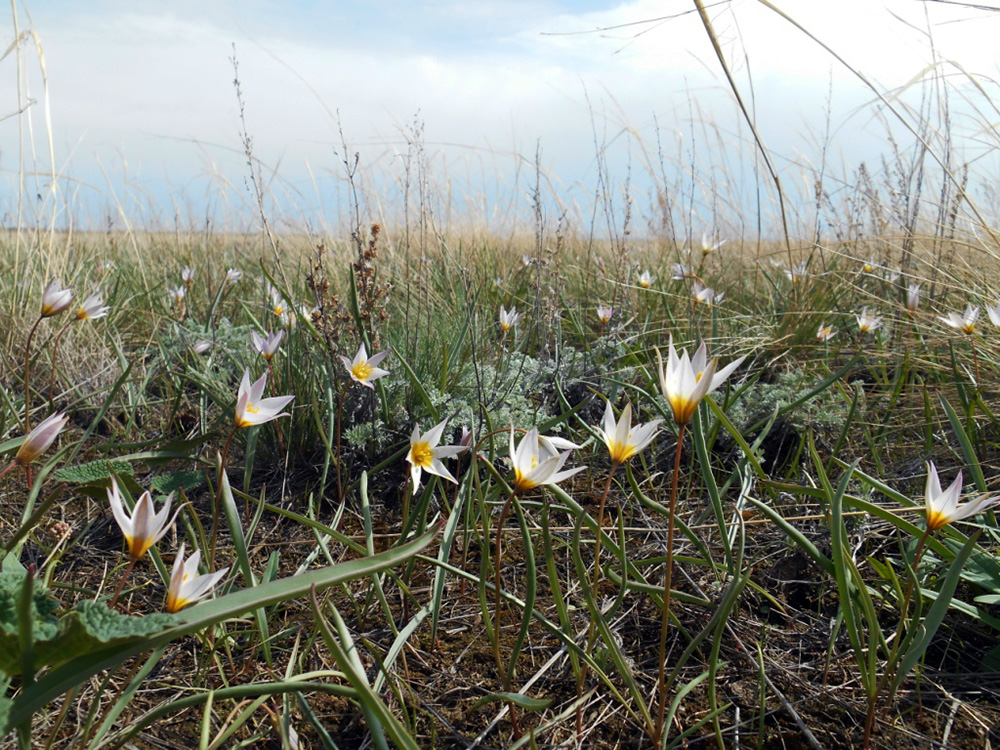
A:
<point x="146" y="131"/>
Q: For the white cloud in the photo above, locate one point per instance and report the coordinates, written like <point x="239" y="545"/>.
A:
<point x="146" y="82"/>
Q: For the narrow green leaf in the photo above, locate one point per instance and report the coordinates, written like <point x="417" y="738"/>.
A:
<point x="300" y="684"/>
<point x="447" y="539"/>
<point x="201" y="616"/>
<point x="530" y="590"/>
<point x="935" y="615"/>
<point x="610" y="643"/>
<point x="377" y="716"/>
<point x="242" y="556"/>
<point x="797" y="537"/>
<point x="708" y="478"/>
<point x="748" y="452"/>
<point x="968" y="451"/>
<point x="845" y="572"/>
<point x="418" y="386"/>
<point x="519" y="700"/>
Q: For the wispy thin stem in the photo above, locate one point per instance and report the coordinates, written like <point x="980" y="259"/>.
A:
<point x="27" y="376"/>
<point x="55" y="356"/>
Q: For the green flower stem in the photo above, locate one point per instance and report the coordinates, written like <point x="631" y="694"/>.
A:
<point x="667" y="580"/>
<point x="121" y="582"/>
<point x="408" y="491"/>
<point x="498" y="604"/>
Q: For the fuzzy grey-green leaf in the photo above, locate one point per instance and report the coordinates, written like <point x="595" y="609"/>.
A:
<point x="93" y="471"/>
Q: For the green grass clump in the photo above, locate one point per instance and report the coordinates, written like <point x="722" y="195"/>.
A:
<point x="329" y="484"/>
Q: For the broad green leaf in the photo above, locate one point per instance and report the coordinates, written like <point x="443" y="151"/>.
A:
<point x="5" y="706"/>
<point x="90" y="627"/>
<point x="201" y="616"/>
<point x="93" y="471"/>
<point x="186" y="480"/>
<point x="93" y="626"/>
<point x="990" y="662"/>
<point x="45" y="625"/>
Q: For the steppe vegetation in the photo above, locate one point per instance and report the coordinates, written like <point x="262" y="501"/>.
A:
<point x="386" y="485"/>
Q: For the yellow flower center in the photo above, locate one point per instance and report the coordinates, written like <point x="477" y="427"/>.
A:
<point x="421" y="455"/>
<point x="521" y="481"/>
<point x="683" y="408"/>
<point x="279" y="310"/>
<point x="361" y="371"/>
<point x="620" y="452"/>
<point x="138" y="547"/>
<point x="252" y="409"/>
<point x="936" y="519"/>
<point x="968" y="328"/>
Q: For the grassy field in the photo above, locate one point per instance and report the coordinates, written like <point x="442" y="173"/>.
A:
<point x="807" y="594"/>
<point x="580" y="477"/>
